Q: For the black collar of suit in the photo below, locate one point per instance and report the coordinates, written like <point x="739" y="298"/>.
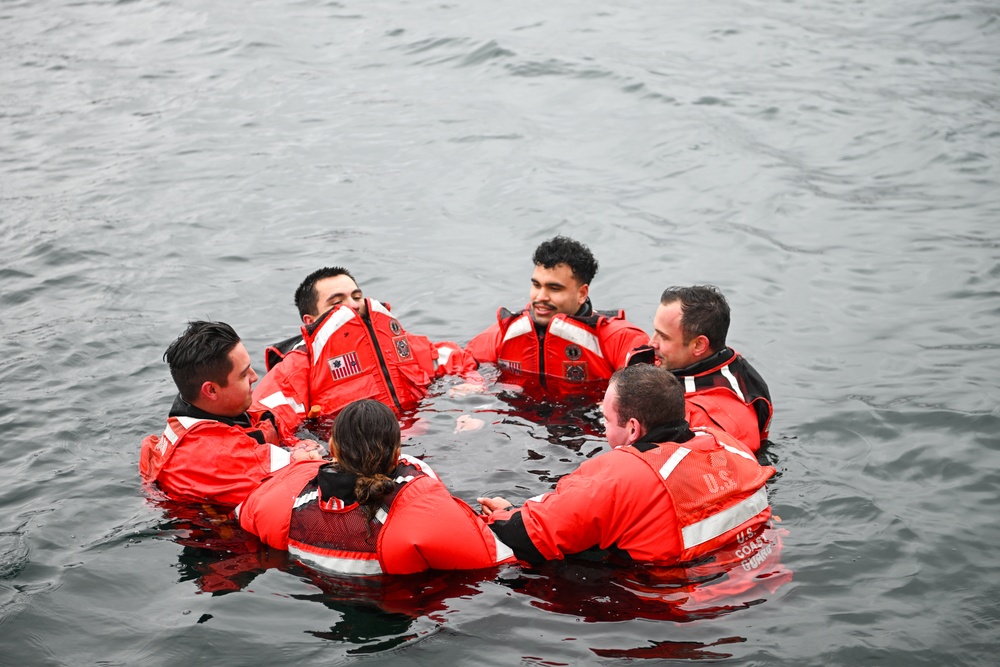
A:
<point x="182" y="408"/>
<point x="678" y="431"/>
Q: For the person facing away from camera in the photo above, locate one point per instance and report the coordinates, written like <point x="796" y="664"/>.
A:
<point x="373" y="510"/>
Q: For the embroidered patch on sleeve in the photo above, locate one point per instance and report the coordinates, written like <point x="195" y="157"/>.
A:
<point x="402" y="347"/>
<point x="344" y="366"/>
<point x="575" y="372"/>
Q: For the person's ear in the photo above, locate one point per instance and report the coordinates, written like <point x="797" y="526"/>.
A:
<point x="699" y="346"/>
<point x="582" y="294"/>
<point x="209" y="390"/>
<point x="635" y="430"/>
<point x="308" y="319"/>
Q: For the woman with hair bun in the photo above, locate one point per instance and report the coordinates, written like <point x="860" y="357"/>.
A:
<point x="372" y="510"/>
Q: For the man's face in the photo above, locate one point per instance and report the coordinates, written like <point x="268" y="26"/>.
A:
<point x="617" y="435"/>
<point x="554" y="291"/>
<point x="336" y="291"/>
<point x="668" y="338"/>
<point x="234" y="399"/>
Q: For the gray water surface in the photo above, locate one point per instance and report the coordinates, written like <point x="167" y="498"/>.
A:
<point x="833" y="167"/>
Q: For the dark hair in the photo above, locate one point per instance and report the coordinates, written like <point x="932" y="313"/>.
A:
<point x="305" y="295"/>
<point x="704" y="312"/>
<point x="564" y="250"/>
<point x="366" y="442"/>
<point x="199" y="355"/>
<point x="650" y="394"/>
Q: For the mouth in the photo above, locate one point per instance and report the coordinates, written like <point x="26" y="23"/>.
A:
<point x="541" y="309"/>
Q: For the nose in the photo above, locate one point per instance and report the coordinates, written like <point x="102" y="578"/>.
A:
<point x="253" y="375"/>
<point x="354" y="303"/>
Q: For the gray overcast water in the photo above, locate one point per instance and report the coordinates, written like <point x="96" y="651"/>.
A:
<point x="832" y="166"/>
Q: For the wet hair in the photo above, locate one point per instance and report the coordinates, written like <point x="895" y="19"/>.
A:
<point x="199" y="355"/>
<point x="305" y="295"/>
<point x="564" y="250"/>
<point x="704" y="312"/>
<point x="650" y="394"/>
<point x="366" y="442"/>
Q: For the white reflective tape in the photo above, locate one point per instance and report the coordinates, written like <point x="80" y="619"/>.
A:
<point x="279" y="458"/>
<point x="379" y="307"/>
<point x="381" y="515"/>
<point x="673" y="461"/>
<point x="689" y="387"/>
<point x="277" y="398"/>
<point x="737" y="451"/>
<point x="305" y="498"/>
<point x="444" y="353"/>
<point x="519" y="327"/>
<point x="342" y="316"/>
<point x="403" y="480"/>
<point x="236" y="512"/>
<point x="503" y="551"/>
<point x="188" y="422"/>
<point x="335" y="564"/>
<point x="576" y="334"/>
<point x="728" y="374"/>
<point x="422" y="466"/>
<point x="169" y="434"/>
<point x="539" y="498"/>
<point x="726" y="520"/>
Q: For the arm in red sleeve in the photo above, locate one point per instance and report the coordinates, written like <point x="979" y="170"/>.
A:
<point x="484" y="346"/>
<point x="621" y="341"/>
<point x="284" y="392"/>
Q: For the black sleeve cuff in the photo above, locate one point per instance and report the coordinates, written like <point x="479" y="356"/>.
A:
<point x="513" y="533"/>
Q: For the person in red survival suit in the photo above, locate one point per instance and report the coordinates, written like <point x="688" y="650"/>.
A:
<point x="559" y="337"/>
<point x="373" y="510"/>
<point x="664" y="494"/>
<point x="722" y="389"/>
<point x="349" y="348"/>
<point x="211" y="449"/>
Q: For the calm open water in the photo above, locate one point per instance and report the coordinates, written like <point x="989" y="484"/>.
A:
<point x="833" y="166"/>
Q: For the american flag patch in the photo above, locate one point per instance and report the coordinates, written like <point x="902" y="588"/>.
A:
<point x="344" y="366"/>
<point x="512" y="366"/>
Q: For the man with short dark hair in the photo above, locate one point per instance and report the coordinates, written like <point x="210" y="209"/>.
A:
<point x="211" y="449"/>
<point x="721" y="387"/>
<point x="559" y="337"/>
<point x="664" y="494"/>
<point x="349" y="348"/>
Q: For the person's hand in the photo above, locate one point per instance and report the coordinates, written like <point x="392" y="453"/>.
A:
<point x="468" y="423"/>
<point x="305" y="455"/>
<point x="465" y="389"/>
<point x="491" y="505"/>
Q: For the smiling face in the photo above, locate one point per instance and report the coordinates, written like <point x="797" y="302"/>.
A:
<point x="554" y="291"/>
<point x="235" y="397"/>
<point x="336" y="291"/>
<point x="668" y="338"/>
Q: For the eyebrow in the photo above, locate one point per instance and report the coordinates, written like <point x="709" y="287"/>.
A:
<point x="549" y="284"/>
<point x="247" y="369"/>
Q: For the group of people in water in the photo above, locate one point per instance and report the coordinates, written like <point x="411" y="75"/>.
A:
<point x="684" y="416"/>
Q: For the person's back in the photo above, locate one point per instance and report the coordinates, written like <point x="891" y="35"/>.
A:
<point x="346" y="517"/>
<point x="664" y="494"/>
